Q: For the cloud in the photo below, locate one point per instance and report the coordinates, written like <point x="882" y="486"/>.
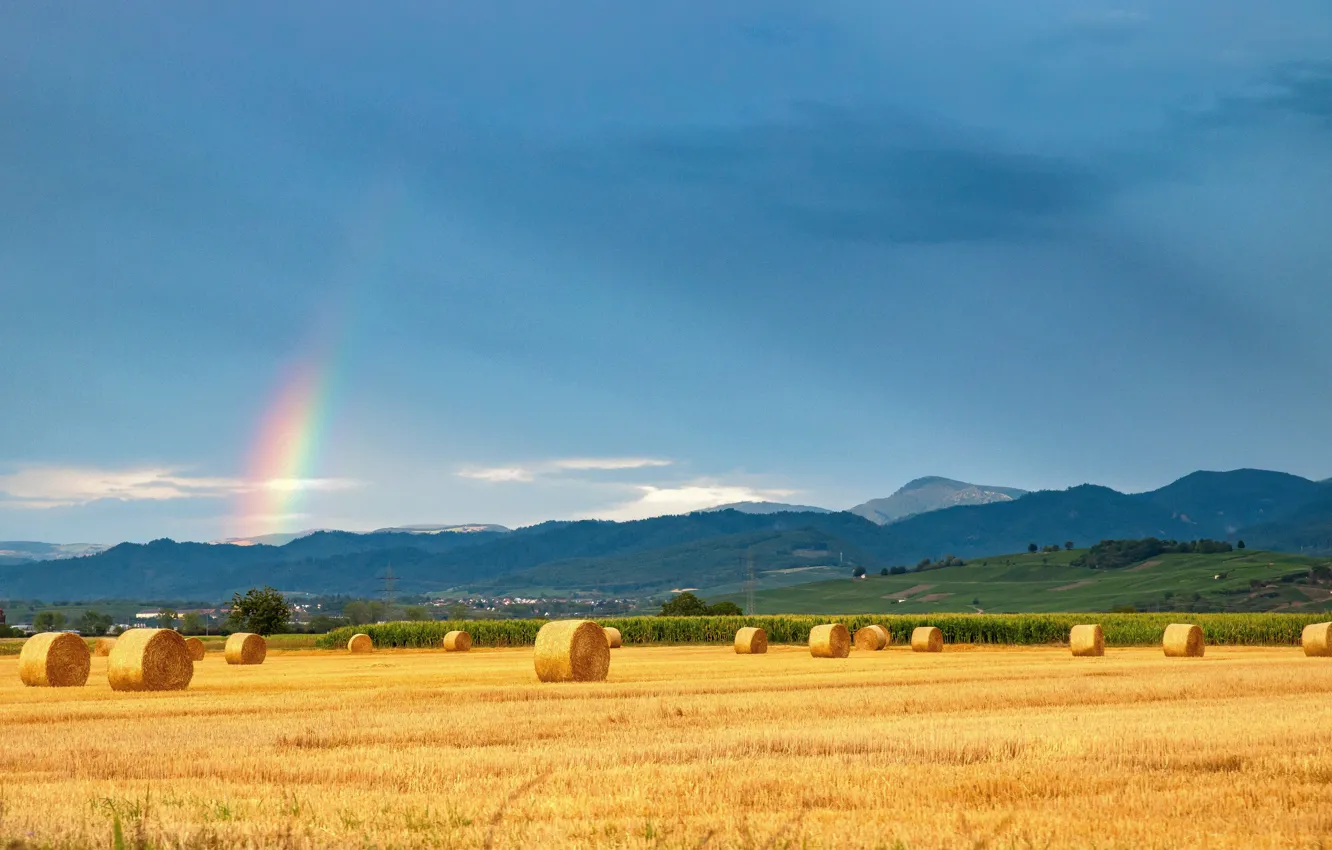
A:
<point x="524" y="474"/>
<point x="498" y="474"/>
<point x="608" y="463"/>
<point x="876" y="175"/>
<point x="60" y="487"/>
<point x="660" y="501"/>
<point x="1111" y="27"/>
<point x="304" y="485"/>
<point x="52" y="487"/>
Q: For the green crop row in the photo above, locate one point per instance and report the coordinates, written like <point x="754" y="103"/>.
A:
<point x="1029" y="629"/>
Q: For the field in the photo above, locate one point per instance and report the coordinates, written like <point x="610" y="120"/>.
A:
<point x="683" y="747"/>
<point x="1046" y="582"/>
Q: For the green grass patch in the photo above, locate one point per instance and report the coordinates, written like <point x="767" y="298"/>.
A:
<point x="1240" y="581"/>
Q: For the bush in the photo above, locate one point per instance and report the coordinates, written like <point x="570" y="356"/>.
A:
<point x="688" y="605"/>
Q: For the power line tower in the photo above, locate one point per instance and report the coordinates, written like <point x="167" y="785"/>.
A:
<point x="390" y="582"/>
<point x="750" y="608"/>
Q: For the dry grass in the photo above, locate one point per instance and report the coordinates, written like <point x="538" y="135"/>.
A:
<point x="684" y="747"/>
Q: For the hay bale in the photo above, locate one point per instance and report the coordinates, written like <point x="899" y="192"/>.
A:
<point x="751" y="641"/>
<point x="245" y="648"/>
<point x="360" y="643"/>
<point x="196" y="648"/>
<point x="1183" y="640"/>
<point x="1087" y="640"/>
<point x="54" y="660"/>
<point x="613" y="639"/>
<point x="571" y="651"/>
<point x="1317" y="639"/>
<point x="926" y="639"/>
<point x="830" y="640"/>
<point x="887" y="635"/>
<point x="149" y="660"/>
<point x="103" y="646"/>
<point x="457" y="642"/>
<point x="871" y="638"/>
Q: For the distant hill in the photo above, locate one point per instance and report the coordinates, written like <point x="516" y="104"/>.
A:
<point x="281" y="538"/>
<point x="702" y="549"/>
<point x="1221" y="503"/>
<point x="767" y="508"/>
<point x="932" y="494"/>
<point x="466" y="528"/>
<point x="1245" y="580"/>
<point x="25" y="551"/>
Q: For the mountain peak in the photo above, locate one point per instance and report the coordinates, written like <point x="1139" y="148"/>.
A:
<point x="932" y="493"/>
<point x="767" y="508"/>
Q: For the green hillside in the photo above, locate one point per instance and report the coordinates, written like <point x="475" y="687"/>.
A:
<point x="1249" y="581"/>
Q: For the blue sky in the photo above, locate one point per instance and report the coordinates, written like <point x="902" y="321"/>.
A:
<point x="617" y="259"/>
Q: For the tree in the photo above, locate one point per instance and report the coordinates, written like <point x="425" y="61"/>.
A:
<point x="263" y="612"/>
<point x="897" y="571"/>
<point x="415" y="612"/>
<point x="724" y="609"/>
<point x="976" y="602"/>
<point x="356" y="612"/>
<point x="191" y="624"/>
<point x="1032" y="547"/>
<point x="322" y="623"/>
<point x="94" y="623"/>
<point x="166" y="618"/>
<point x="858" y="572"/>
<point x="684" y="605"/>
<point x="49" y="621"/>
<point x="1068" y="545"/>
<point x="458" y="611"/>
<point x="883" y="572"/>
<point x="923" y="563"/>
<point x="1239" y="545"/>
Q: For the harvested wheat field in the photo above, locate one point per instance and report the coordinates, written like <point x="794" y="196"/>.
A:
<point x="683" y="747"/>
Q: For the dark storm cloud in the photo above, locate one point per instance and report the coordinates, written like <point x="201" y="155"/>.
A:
<point x="1299" y="89"/>
<point x="861" y="175"/>
<point x="1111" y="28"/>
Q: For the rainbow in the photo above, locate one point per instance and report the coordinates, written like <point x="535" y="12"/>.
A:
<point x="285" y="450"/>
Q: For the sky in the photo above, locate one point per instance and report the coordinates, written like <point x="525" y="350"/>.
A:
<point x="272" y="267"/>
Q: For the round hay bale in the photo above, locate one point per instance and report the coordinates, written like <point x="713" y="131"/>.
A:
<point x="926" y="639"/>
<point x="830" y="640"/>
<point x="1087" y="640"/>
<point x="103" y="646"/>
<point x="360" y="643"/>
<point x="887" y="635"/>
<point x="196" y="648"/>
<point x="1183" y="640"/>
<point x="751" y="641"/>
<point x="871" y="638"/>
<point x="457" y="642"/>
<point x="1317" y="639"/>
<point x="54" y="660"/>
<point x="149" y="660"/>
<point x="572" y="651"/>
<point x="245" y="648"/>
<point x="613" y="639"/>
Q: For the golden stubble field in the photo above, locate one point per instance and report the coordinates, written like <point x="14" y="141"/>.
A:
<point x="684" y="747"/>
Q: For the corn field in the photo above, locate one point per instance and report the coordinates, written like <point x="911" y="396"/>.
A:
<point x="1120" y="629"/>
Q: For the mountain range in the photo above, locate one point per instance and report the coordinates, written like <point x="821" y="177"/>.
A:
<point x="704" y="549"/>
